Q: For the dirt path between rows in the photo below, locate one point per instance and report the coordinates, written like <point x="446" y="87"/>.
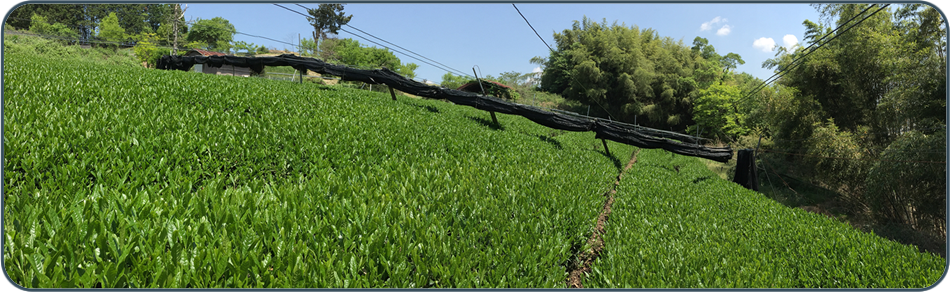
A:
<point x="583" y="260"/>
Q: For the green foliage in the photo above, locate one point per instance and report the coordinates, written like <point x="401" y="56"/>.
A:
<point x="130" y="177"/>
<point x="627" y="71"/>
<point x="907" y="187"/>
<point x="882" y="82"/>
<point x="327" y="19"/>
<point x="408" y="70"/>
<point x="716" y="111"/>
<point x="309" y="47"/>
<point x="110" y="30"/>
<point x="262" y="50"/>
<point x="837" y="157"/>
<point x="351" y="53"/>
<point x="731" y="60"/>
<point x="685" y="228"/>
<point x="21" y="17"/>
<point x="39" y="25"/>
<point x="249" y="48"/>
<point x="213" y="34"/>
<point x="146" y="51"/>
<point x="51" y="49"/>
<point x="453" y="81"/>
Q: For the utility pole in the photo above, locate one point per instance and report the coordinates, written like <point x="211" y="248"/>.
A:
<point x="176" y="15"/>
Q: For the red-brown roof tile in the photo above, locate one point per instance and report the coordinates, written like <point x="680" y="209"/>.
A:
<point x="209" y="53"/>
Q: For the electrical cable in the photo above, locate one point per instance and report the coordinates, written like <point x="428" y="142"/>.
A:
<point x="371" y="41"/>
<point x="395" y="45"/>
<point x="553" y="51"/>
<point x="846" y="158"/>
<point x="795" y="64"/>
<point x="532" y="27"/>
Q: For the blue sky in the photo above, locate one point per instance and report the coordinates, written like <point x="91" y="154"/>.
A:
<point x="496" y="39"/>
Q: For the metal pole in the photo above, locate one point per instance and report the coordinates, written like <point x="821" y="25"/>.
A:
<point x="493" y="119"/>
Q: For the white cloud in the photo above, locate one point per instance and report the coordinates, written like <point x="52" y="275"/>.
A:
<point x="536" y="70"/>
<point x="790" y="42"/>
<point x="708" y="25"/>
<point x="764" y="44"/>
<point x="725" y="30"/>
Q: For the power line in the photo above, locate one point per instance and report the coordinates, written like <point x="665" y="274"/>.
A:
<point x="553" y="51"/>
<point x="847" y="158"/>
<point x="395" y="45"/>
<point x="828" y="34"/>
<point x="371" y="41"/>
<point x="267" y="38"/>
<point x="532" y="27"/>
<point x="794" y="64"/>
<point x="446" y="66"/>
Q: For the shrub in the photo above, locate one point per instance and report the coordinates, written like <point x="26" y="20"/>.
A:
<point x="39" y="25"/>
<point x="837" y="158"/>
<point x="903" y="188"/>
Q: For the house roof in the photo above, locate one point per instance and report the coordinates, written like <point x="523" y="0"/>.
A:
<point x="208" y="53"/>
<point x="466" y="86"/>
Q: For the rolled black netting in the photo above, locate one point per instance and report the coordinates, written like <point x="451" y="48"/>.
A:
<point x="618" y="132"/>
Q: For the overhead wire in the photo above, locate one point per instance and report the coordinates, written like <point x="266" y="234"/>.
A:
<point x="794" y="64"/>
<point x="395" y="45"/>
<point x="848" y="158"/>
<point x="532" y="27"/>
<point x="553" y="51"/>
<point x="371" y="41"/>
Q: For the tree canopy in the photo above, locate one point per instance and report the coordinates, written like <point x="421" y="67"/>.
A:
<point x="631" y="72"/>
<point x="871" y="94"/>
<point x="327" y="19"/>
<point x="214" y="34"/>
<point x="350" y="52"/>
<point x="110" y="29"/>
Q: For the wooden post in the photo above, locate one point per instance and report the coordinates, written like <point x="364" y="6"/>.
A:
<point x="301" y="76"/>
<point x="605" y="147"/>
<point x="391" y="92"/>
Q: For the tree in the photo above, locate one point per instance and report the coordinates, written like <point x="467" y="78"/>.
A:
<point x="327" y="19"/>
<point x="716" y="112"/>
<point x="39" y="25"/>
<point x="453" y="81"/>
<point x="731" y="61"/>
<point x="262" y="50"/>
<point x="110" y="30"/>
<point x="172" y="29"/>
<point x="408" y="70"/>
<point x="249" y="48"/>
<point x="876" y="92"/>
<point x="308" y="47"/>
<point x="625" y="71"/>
<point x="146" y="50"/>
<point x="213" y="34"/>
<point x="69" y="15"/>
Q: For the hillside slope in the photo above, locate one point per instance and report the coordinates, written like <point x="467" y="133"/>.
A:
<point x="129" y="177"/>
<point x="676" y="224"/>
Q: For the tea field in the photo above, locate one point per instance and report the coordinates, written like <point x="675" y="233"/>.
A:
<point x="130" y="177"/>
<point x="678" y="225"/>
